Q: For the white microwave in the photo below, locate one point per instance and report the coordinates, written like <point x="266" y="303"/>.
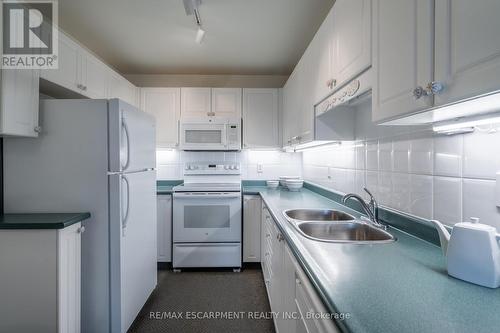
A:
<point x="213" y="134"/>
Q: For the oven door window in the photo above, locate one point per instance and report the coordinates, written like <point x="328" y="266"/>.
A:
<point x="204" y="136"/>
<point x="210" y="216"/>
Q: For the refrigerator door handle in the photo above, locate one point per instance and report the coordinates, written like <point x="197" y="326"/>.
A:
<point x="125" y="215"/>
<point x="127" y="135"/>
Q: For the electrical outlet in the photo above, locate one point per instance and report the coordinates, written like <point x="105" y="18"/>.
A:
<point x="260" y="168"/>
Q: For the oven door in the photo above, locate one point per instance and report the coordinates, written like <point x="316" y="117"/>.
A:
<point x="207" y="217"/>
<point x="203" y="136"/>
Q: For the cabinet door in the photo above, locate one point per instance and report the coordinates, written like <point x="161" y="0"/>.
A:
<point x="305" y="112"/>
<point x="251" y="228"/>
<point x="196" y="102"/>
<point x="467" y="48"/>
<point x="164" y="104"/>
<point x="68" y="74"/>
<point x="119" y="87"/>
<point x="321" y="69"/>
<point x="69" y="278"/>
<point x="164" y="230"/>
<point x="292" y="95"/>
<point x="352" y="38"/>
<point x="260" y="118"/>
<point x="226" y="102"/>
<point x="403" y="56"/>
<point x="19" y="102"/>
<point x="93" y="76"/>
<point x="288" y="291"/>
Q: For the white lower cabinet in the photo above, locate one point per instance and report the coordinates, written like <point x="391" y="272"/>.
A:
<point x="251" y="228"/>
<point x="164" y="231"/>
<point x="290" y="292"/>
<point x="41" y="280"/>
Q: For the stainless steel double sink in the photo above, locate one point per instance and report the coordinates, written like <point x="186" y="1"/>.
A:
<point x="328" y="225"/>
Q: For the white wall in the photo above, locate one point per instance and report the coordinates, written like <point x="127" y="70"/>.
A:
<point x="449" y="178"/>
<point x="170" y="163"/>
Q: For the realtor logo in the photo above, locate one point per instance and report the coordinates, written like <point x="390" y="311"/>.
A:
<point x="29" y="34"/>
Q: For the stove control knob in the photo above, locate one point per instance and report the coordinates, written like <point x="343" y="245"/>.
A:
<point x="188" y="167"/>
<point x="226" y="167"/>
<point x="237" y="167"/>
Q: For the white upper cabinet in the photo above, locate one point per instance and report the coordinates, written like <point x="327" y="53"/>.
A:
<point x="292" y="94"/>
<point x="19" y="102"/>
<point x="467" y="48"/>
<point x="164" y="105"/>
<point x="352" y="39"/>
<point x="119" y="87"/>
<point x="403" y="56"/>
<point x="93" y="75"/>
<point x="68" y="74"/>
<point x="321" y="69"/>
<point x="196" y="102"/>
<point x="260" y="118"/>
<point x="432" y="53"/>
<point x="226" y="102"/>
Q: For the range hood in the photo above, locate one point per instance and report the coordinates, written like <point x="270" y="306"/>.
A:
<point x="335" y="116"/>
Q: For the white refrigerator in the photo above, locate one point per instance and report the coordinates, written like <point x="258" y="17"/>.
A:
<point x="96" y="156"/>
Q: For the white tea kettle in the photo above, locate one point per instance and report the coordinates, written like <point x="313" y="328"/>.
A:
<point x="472" y="252"/>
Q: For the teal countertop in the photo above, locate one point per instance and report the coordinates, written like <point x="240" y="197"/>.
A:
<point x="396" y="287"/>
<point x="41" y="220"/>
<point x="166" y="186"/>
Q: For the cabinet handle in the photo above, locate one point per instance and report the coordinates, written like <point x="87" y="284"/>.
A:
<point x="84" y="88"/>
<point x="297" y="281"/>
<point x="418" y="92"/>
<point x="81" y="230"/>
<point x="331" y="83"/>
<point x="280" y="237"/>
<point x="434" y="88"/>
<point x="37" y="129"/>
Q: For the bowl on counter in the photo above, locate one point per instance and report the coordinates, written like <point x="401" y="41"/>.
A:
<point x="272" y="184"/>
<point x="283" y="179"/>
<point x="294" y="185"/>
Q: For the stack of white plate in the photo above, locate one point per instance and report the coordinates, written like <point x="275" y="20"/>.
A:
<point x="272" y="184"/>
<point x="283" y="179"/>
<point x="294" y="185"/>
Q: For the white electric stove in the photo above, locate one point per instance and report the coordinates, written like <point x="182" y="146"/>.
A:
<point x="207" y="218"/>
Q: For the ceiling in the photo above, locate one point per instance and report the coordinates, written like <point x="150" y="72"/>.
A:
<point x="258" y="37"/>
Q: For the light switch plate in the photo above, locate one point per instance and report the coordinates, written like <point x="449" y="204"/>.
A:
<point x="497" y="191"/>
<point x="259" y="168"/>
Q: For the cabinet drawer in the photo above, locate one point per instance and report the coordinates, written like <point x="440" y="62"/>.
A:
<point x="207" y="255"/>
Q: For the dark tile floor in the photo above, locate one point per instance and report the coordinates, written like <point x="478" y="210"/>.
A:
<point x="208" y="293"/>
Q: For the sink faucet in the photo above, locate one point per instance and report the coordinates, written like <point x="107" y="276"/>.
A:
<point x="371" y="208"/>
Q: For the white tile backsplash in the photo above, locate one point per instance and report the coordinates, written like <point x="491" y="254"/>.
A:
<point x="481" y="155"/>
<point x="448" y="178"/>
<point x="421" y="196"/>
<point x="479" y="201"/>
<point x="421" y="156"/>
<point x="372" y="156"/>
<point x="170" y="163"/>
<point x="448" y="152"/>
<point x="448" y="200"/>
